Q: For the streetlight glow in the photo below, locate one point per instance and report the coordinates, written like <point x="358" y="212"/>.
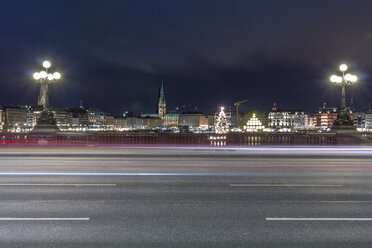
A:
<point x="46" y="64"/>
<point x="333" y="78"/>
<point x="354" y="78"/>
<point x="343" y="67"/>
<point x="36" y="76"/>
<point x="344" y="80"/>
<point x="44" y="79"/>
<point x="57" y="75"/>
<point x="348" y="77"/>
<point x="43" y="74"/>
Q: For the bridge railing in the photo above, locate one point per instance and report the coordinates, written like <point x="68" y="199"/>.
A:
<point x="152" y="138"/>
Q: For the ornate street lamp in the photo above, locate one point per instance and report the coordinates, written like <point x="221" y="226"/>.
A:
<point x="343" y="81"/>
<point x="44" y="79"/>
<point x="46" y="123"/>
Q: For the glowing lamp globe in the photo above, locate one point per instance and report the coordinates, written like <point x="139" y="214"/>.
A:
<point x="36" y="76"/>
<point x="348" y="77"/>
<point x="333" y="78"/>
<point x="343" y="67"/>
<point x="43" y="74"/>
<point x="50" y="77"/>
<point x="46" y="64"/>
<point x="353" y="78"/>
<point x="57" y="75"/>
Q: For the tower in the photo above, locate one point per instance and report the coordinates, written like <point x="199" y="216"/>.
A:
<point x="162" y="106"/>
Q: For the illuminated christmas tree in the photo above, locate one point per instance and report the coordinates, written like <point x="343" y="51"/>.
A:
<point x="221" y="125"/>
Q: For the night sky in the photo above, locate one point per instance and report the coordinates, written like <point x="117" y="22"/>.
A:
<point x="114" y="54"/>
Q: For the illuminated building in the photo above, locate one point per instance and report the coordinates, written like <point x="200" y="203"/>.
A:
<point x="193" y="120"/>
<point x="368" y="119"/>
<point x="109" y="122"/>
<point x="152" y="122"/>
<point x="359" y="118"/>
<point x="14" y="119"/>
<point x="128" y="114"/>
<point x="120" y="123"/>
<point x="74" y="122"/>
<point x="288" y="118"/>
<point x="96" y="118"/>
<point x="62" y="117"/>
<point x="211" y="121"/>
<point x="79" y="117"/>
<point x="149" y="115"/>
<point x="254" y="124"/>
<point x="1" y="118"/>
<point x="134" y="123"/>
<point x="325" y="117"/>
<point x="171" y="119"/>
<point x="32" y="115"/>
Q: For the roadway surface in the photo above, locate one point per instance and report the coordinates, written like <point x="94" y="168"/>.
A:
<point x="186" y="197"/>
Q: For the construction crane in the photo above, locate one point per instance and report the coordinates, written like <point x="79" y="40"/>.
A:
<point x="237" y="111"/>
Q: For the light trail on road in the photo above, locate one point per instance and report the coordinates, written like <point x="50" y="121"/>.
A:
<point x="256" y="196"/>
<point x="154" y="149"/>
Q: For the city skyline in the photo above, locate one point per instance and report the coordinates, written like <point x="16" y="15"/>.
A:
<point x="263" y="55"/>
<point x="190" y="108"/>
<point x="185" y="123"/>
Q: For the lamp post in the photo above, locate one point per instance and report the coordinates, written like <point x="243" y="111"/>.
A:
<point x="44" y="78"/>
<point x="343" y="81"/>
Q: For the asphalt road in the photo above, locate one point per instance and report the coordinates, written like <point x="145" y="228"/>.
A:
<point x="186" y="197"/>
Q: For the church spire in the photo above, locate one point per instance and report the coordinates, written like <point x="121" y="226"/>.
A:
<point x="162" y="107"/>
<point x="162" y="96"/>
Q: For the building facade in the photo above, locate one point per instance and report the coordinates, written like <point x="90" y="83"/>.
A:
<point x="359" y="118"/>
<point x="2" y="111"/>
<point x="288" y="119"/>
<point x="171" y="120"/>
<point x="368" y="119"/>
<point x="14" y="119"/>
<point x="109" y="122"/>
<point x="193" y="120"/>
<point x="96" y="118"/>
<point x="135" y="123"/>
<point x="152" y="122"/>
<point x="62" y="117"/>
<point x="79" y="117"/>
<point x="120" y="123"/>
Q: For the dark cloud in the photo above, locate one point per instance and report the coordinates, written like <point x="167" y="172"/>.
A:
<point x="114" y="54"/>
